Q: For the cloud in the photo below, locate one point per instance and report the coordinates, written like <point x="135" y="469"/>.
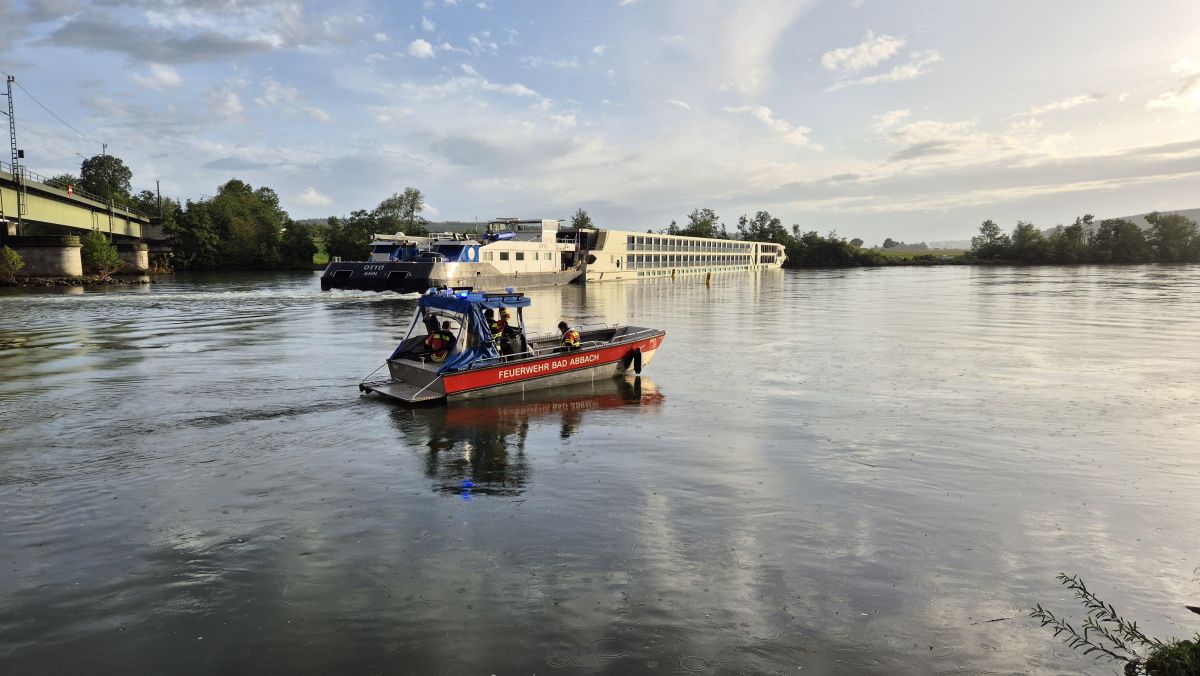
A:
<point x="420" y="49"/>
<point x="599" y="50"/>
<point x="159" y="78"/>
<point x="318" y="114"/>
<point x="1064" y="104"/>
<point x="470" y="81"/>
<point x="565" y="121"/>
<point x="679" y="104"/>
<point x="538" y="62"/>
<point x="275" y="93"/>
<point x="311" y="198"/>
<point x="790" y="133"/>
<point x="918" y="65"/>
<point x="427" y="25"/>
<point x="1186" y="96"/>
<point x="380" y="37"/>
<point x="885" y="121"/>
<point x="924" y="149"/>
<point x="872" y="51"/>
<point x="226" y="103"/>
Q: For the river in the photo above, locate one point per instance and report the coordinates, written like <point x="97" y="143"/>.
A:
<point x="842" y="472"/>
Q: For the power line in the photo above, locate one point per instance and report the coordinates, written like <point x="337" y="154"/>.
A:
<point x="52" y="114"/>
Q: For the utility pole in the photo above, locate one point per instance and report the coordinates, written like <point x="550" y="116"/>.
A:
<point x="158" y="189"/>
<point x="103" y="149"/>
<point x="16" y="155"/>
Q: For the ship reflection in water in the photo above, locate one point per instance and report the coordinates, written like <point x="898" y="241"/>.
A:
<point x="477" y="447"/>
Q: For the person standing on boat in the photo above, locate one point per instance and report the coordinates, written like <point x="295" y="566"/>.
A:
<point x="495" y="326"/>
<point x="570" y="337"/>
<point x="439" y="343"/>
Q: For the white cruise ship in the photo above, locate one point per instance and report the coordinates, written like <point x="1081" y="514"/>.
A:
<point x="617" y="254"/>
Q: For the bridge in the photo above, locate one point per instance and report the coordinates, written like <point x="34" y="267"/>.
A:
<point x="45" y="205"/>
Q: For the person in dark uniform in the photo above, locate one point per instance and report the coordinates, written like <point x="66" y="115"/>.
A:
<point x="439" y="343"/>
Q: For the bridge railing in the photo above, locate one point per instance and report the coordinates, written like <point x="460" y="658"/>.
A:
<point x="34" y="176"/>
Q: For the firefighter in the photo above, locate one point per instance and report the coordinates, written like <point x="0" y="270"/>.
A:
<point x="496" y="326"/>
<point x="439" y="343"/>
<point x="570" y="337"/>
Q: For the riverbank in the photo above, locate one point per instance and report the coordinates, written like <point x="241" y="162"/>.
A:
<point x="85" y="280"/>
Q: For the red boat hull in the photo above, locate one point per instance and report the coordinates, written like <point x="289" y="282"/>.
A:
<point x="564" y="367"/>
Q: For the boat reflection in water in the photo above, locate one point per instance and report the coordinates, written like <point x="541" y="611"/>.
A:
<point x="477" y="447"/>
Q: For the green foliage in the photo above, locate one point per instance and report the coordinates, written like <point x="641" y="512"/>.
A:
<point x="402" y="212"/>
<point x="856" y="242"/>
<point x="350" y="238"/>
<point x="701" y="223"/>
<point x="10" y="265"/>
<point x="763" y="228"/>
<point x="889" y="243"/>
<point x="1173" y="237"/>
<point x="1109" y="636"/>
<point x="145" y="202"/>
<point x="581" y="219"/>
<point x="238" y="229"/>
<point x="296" y="248"/>
<point x="107" y="177"/>
<point x="99" y="255"/>
<point x="61" y="181"/>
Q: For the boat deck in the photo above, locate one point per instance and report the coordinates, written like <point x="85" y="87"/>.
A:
<point x="402" y="391"/>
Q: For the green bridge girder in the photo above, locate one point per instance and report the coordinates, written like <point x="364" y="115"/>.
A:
<point x="50" y="206"/>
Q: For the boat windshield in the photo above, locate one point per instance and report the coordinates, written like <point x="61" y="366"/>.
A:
<point x="425" y="322"/>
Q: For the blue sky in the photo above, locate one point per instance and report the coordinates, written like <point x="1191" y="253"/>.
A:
<point x="913" y="120"/>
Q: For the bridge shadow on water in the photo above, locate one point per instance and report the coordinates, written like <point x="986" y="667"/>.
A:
<point x="478" y="447"/>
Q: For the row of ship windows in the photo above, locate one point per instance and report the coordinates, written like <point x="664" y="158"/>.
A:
<point x="517" y="255"/>
<point x="634" y="243"/>
<point x="639" y="261"/>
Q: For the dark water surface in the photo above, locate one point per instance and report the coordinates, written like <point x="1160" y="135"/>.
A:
<point x="828" y="472"/>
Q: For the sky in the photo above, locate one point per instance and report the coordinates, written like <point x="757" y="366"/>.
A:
<point x="912" y="120"/>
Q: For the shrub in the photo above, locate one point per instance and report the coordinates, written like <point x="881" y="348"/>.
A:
<point x="99" y="255"/>
<point x="10" y="265"/>
<point x="1109" y="636"/>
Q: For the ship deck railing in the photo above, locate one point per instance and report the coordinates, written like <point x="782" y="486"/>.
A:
<point x="559" y="349"/>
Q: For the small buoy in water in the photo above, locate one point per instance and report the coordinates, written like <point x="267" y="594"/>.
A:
<point x="467" y="483"/>
<point x="708" y="279"/>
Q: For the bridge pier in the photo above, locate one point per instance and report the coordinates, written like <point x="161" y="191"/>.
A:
<point x="135" y="255"/>
<point x="49" y="256"/>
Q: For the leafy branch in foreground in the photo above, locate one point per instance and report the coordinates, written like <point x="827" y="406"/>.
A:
<point x="1107" y="635"/>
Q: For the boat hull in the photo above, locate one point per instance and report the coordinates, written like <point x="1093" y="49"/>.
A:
<point x="560" y="368"/>
<point x="417" y="277"/>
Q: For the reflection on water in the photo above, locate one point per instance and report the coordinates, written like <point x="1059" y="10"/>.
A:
<point x="850" y="472"/>
<point x="477" y="447"/>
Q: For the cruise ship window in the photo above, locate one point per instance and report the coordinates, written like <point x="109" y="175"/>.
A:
<point x="503" y="255"/>
<point x="520" y="255"/>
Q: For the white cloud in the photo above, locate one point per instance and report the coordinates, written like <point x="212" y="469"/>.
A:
<point x="889" y="119"/>
<point x="672" y="38"/>
<point x="1186" y="96"/>
<point x="311" y="198"/>
<point x="789" y="132"/>
<point x="470" y="81"/>
<point x="565" y="121"/>
<point x="872" y="51"/>
<point x="628" y="2"/>
<point x="679" y="104"/>
<point x="599" y="50"/>
<point x="318" y="114"/>
<point x="275" y="93"/>
<point x="380" y="37"/>
<point x="918" y="65"/>
<point x="483" y="42"/>
<point x="420" y="49"/>
<point x="1064" y="104"/>
<point x="226" y="103"/>
<point x="538" y="62"/>
<point x="160" y="77"/>
<point x="427" y="25"/>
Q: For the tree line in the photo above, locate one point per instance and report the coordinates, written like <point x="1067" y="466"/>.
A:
<point x="1171" y="238"/>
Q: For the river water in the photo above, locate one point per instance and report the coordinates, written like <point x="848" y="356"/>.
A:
<point x="822" y="472"/>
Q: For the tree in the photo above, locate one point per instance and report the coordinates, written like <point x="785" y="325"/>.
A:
<point x="704" y="223"/>
<point x="10" y="264"/>
<point x="581" y="220"/>
<point x="1117" y="240"/>
<point x="350" y="238"/>
<point x="990" y="244"/>
<point x="856" y="242"/>
<point x="99" y="255"/>
<point x="889" y="243"/>
<point x="1173" y="237"/>
<point x="296" y="248"/>
<point x="1027" y="244"/>
<point x="763" y="228"/>
<point x="106" y="177"/>
<point x="194" y="238"/>
<point x="403" y="210"/>
<point x="62" y="181"/>
<point x="1069" y="244"/>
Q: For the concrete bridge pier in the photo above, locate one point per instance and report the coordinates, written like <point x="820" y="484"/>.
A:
<point x="135" y="255"/>
<point x="49" y="256"/>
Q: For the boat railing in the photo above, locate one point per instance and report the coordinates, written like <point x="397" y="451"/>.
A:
<point x="530" y="353"/>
